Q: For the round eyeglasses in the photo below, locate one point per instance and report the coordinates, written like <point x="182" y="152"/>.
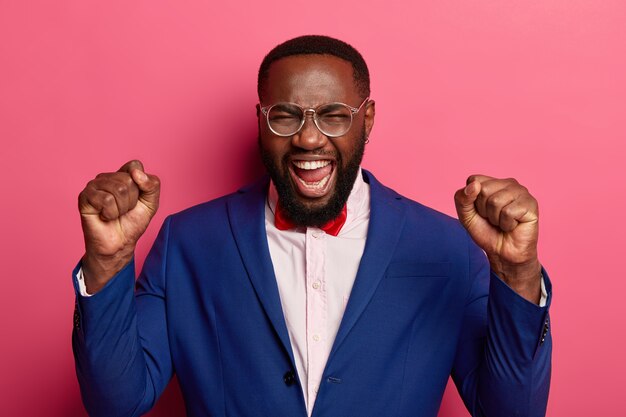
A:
<point x="332" y="119"/>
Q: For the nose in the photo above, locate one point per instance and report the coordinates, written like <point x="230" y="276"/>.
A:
<point x="309" y="137"/>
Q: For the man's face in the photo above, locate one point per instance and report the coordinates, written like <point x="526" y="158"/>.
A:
<point x="313" y="173"/>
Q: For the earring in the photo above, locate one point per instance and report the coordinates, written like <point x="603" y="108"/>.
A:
<point x="367" y="140"/>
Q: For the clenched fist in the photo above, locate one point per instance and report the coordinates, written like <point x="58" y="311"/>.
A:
<point x="503" y="219"/>
<point x="115" y="210"/>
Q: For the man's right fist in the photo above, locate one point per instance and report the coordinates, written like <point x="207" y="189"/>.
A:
<point x="115" y="210"/>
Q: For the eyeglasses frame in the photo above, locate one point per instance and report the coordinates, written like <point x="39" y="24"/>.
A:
<point x="353" y="111"/>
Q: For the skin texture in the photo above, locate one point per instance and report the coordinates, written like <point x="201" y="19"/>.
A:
<point x="499" y="214"/>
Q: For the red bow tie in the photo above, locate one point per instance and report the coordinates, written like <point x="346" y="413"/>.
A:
<point x="332" y="227"/>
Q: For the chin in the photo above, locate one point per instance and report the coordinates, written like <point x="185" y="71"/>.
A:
<point x="299" y="202"/>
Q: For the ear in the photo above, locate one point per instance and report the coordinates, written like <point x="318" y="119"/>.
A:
<point x="370" y="113"/>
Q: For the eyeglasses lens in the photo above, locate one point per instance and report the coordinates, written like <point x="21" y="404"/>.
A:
<point x="332" y="119"/>
<point x="285" y="119"/>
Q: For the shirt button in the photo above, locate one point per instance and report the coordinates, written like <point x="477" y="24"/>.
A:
<point x="316" y="337"/>
<point x="316" y="389"/>
<point x="316" y="285"/>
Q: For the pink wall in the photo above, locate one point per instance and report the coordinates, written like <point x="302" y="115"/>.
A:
<point x="530" y="89"/>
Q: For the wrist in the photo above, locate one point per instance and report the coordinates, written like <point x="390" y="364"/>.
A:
<point x="524" y="278"/>
<point x="98" y="270"/>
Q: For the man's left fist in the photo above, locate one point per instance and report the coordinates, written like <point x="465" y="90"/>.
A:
<point x="503" y="219"/>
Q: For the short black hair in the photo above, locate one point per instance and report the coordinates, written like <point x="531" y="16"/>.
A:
<point x="322" y="45"/>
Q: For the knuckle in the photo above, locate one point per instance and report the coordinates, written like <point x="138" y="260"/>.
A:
<point x="488" y="187"/>
<point x="108" y="200"/>
<point x="507" y="212"/>
<point x="121" y="189"/>
<point x="135" y="163"/>
<point x="82" y="198"/>
<point x="107" y="213"/>
<point x="533" y="201"/>
<point x="520" y="191"/>
<point x="494" y="201"/>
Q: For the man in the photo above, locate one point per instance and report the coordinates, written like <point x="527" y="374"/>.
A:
<point x="320" y="292"/>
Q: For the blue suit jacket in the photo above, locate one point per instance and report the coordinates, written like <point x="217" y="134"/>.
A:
<point x="207" y="307"/>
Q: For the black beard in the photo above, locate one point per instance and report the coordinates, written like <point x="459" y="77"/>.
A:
<point x="298" y="213"/>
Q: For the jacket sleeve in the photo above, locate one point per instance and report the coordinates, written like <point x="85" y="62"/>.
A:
<point x="120" y="339"/>
<point x="503" y="361"/>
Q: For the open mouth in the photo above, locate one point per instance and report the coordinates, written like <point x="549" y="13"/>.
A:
<point x="313" y="178"/>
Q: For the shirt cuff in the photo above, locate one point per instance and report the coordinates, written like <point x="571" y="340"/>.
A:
<point x="544" y="293"/>
<point x="82" y="288"/>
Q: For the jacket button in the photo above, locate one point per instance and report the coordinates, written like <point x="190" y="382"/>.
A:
<point x="546" y="328"/>
<point x="76" y="319"/>
<point x="289" y="378"/>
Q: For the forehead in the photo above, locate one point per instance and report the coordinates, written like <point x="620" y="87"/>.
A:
<point x="311" y="80"/>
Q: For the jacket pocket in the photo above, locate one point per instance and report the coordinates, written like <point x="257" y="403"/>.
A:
<point x="418" y="269"/>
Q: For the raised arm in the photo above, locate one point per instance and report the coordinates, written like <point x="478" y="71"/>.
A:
<point x="122" y="357"/>
<point x="503" y="361"/>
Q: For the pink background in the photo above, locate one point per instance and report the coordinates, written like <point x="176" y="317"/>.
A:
<point x="530" y="89"/>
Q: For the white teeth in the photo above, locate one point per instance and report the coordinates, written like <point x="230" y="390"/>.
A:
<point x="308" y="165"/>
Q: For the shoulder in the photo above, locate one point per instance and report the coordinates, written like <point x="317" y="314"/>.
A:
<point x="414" y="210"/>
<point x="423" y="226"/>
<point x="214" y="213"/>
<point x="434" y="226"/>
<point x="425" y="215"/>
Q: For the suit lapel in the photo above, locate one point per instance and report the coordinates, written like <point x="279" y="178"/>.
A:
<point x="246" y="211"/>
<point x="386" y="222"/>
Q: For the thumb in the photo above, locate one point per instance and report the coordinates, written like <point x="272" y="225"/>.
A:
<point x="150" y="187"/>
<point x="464" y="200"/>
